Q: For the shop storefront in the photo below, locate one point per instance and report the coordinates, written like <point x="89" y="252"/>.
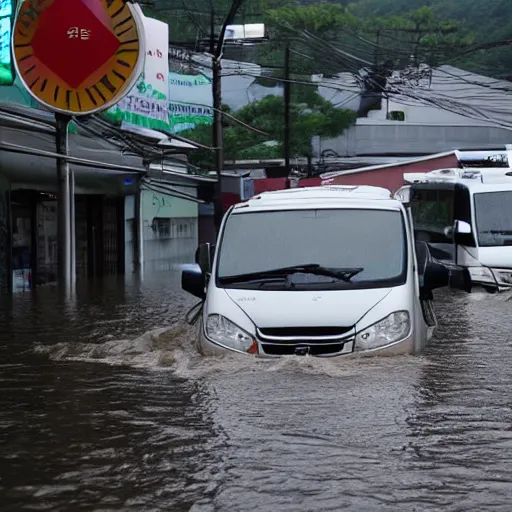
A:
<point x="23" y="246"/>
<point x="29" y="243"/>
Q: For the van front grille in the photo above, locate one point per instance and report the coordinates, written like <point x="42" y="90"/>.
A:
<point x="292" y="332"/>
<point x="310" y="347"/>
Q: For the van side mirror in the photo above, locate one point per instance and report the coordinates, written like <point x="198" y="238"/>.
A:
<point x="193" y="281"/>
<point x="436" y="276"/>
<point x="460" y="279"/>
<point x="204" y="257"/>
<point x="432" y="274"/>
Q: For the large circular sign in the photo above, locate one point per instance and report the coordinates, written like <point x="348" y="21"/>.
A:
<point x="78" y="57"/>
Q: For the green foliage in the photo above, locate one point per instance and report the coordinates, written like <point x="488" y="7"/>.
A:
<point x="420" y="33"/>
<point x="316" y="30"/>
<point x="310" y="115"/>
<point x="324" y="21"/>
<point x="434" y="31"/>
<point x="318" y="18"/>
<point x="489" y="20"/>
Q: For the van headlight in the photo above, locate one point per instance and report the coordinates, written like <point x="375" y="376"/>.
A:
<point x="224" y="332"/>
<point x="393" y="328"/>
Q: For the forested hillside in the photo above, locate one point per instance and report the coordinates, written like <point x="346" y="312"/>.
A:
<point x="435" y="31"/>
<point x="489" y="20"/>
<point x="331" y="37"/>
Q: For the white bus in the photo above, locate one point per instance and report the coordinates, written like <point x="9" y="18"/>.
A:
<point x="465" y="216"/>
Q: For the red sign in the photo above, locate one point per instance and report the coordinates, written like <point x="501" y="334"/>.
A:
<point x="78" y="56"/>
<point x="84" y="41"/>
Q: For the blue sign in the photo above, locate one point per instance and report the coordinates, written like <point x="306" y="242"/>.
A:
<point x="6" y="70"/>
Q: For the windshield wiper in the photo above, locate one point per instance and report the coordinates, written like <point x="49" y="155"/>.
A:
<point x="345" y="274"/>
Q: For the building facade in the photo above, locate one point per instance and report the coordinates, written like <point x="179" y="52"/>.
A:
<point x="170" y="231"/>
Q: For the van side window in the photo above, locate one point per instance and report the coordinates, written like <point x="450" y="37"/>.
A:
<point x="432" y="213"/>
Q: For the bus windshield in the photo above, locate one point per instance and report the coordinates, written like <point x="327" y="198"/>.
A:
<point x="493" y="213"/>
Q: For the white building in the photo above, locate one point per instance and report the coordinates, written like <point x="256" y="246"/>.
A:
<point x="435" y="111"/>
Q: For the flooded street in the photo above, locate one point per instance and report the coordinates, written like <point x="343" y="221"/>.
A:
<point x="98" y="411"/>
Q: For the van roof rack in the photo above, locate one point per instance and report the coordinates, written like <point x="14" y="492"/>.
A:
<point x="323" y="192"/>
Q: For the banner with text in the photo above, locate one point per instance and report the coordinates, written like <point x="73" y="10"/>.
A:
<point x="147" y="104"/>
<point x="190" y="100"/>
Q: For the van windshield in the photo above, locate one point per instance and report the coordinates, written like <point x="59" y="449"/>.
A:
<point x="493" y="214"/>
<point x="321" y="249"/>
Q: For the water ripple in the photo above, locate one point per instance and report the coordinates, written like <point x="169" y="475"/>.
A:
<point x="425" y="433"/>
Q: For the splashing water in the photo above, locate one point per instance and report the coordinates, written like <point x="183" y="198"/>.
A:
<point x="173" y="349"/>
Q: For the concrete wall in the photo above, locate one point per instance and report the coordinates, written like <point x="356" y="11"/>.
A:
<point x="170" y="229"/>
<point x="423" y="114"/>
<point x="399" y="137"/>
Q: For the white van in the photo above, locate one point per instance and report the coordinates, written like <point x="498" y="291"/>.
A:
<point x="321" y="271"/>
<point x="465" y="216"/>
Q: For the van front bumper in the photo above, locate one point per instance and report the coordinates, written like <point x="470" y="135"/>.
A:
<point x="406" y="346"/>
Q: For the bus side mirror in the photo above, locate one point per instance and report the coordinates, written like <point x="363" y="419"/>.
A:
<point x="462" y="228"/>
<point x="461" y="235"/>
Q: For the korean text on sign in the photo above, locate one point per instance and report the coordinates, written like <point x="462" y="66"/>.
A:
<point x="78" y="33"/>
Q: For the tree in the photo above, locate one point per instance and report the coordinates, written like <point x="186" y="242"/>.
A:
<point x="489" y="21"/>
<point x="417" y="37"/>
<point x="306" y="29"/>
<point x="331" y="38"/>
<point x="310" y="115"/>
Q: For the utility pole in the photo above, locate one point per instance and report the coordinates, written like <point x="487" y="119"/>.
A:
<point x="217" y="140"/>
<point x="217" y="104"/>
<point x="376" y="55"/>
<point x="287" y="109"/>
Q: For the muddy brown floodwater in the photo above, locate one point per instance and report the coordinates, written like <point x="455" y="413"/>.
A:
<point x="104" y="406"/>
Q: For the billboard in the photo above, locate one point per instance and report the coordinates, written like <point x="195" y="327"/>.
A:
<point x="190" y="99"/>
<point x="147" y="104"/>
<point x="6" y="13"/>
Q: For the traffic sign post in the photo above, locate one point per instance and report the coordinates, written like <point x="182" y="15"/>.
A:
<point x="76" y="58"/>
<point x="65" y="243"/>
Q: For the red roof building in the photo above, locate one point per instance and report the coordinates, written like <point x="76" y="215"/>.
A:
<point x="391" y="176"/>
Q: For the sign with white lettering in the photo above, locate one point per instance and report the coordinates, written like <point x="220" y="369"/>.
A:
<point x="147" y="104"/>
<point x="190" y="100"/>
